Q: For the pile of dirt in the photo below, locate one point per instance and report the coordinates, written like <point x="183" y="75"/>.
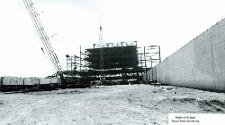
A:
<point x="185" y="100"/>
<point x="215" y="106"/>
<point x="57" y="92"/>
<point x="70" y="92"/>
<point x="212" y="106"/>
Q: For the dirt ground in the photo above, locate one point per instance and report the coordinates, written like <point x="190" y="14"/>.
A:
<point x="106" y="105"/>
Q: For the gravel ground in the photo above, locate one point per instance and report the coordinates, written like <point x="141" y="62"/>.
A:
<point x="106" y="105"/>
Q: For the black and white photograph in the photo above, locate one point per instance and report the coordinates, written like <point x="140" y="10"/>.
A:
<point x="112" y="62"/>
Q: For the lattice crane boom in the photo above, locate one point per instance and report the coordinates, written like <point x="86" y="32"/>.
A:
<point x="43" y="35"/>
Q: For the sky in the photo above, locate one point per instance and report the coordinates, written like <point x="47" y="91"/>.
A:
<point x="71" y="23"/>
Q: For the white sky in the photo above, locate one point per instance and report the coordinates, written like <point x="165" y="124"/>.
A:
<point x="169" y="23"/>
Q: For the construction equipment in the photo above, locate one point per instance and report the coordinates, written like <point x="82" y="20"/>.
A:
<point x="44" y="37"/>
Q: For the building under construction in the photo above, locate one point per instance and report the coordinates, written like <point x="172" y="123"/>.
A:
<point x="113" y="62"/>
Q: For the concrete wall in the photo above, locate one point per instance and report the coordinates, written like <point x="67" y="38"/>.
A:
<point x="199" y="64"/>
<point x="150" y="75"/>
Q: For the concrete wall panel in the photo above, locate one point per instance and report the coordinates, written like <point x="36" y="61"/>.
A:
<point x="199" y="64"/>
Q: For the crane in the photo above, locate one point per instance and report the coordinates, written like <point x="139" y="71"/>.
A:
<point x="44" y="37"/>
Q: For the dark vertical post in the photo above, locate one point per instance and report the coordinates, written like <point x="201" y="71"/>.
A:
<point x="75" y="62"/>
<point x="137" y="67"/>
<point x="151" y="61"/>
<point x="145" y="63"/>
<point x="152" y="70"/>
<point x="100" y="62"/>
<point x="71" y="63"/>
<point x="66" y="63"/>
<point x="141" y="59"/>
<point x="80" y="57"/>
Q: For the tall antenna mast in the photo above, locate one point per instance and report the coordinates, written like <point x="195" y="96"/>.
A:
<point x="101" y="50"/>
<point x="100" y="33"/>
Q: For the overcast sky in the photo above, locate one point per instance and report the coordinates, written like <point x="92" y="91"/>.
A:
<point x="71" y="23"/>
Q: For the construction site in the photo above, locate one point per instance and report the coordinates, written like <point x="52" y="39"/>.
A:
<point x="113" y="63"/>
<point x="119" y="82"/>
<point x="120" y="63"/>
<point x="104" y="64"/>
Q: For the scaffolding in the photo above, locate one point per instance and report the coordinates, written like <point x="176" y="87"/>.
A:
<point x="148" y="57"/>
<point x="120" y="61"/>
<point x="124" y="62"/>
